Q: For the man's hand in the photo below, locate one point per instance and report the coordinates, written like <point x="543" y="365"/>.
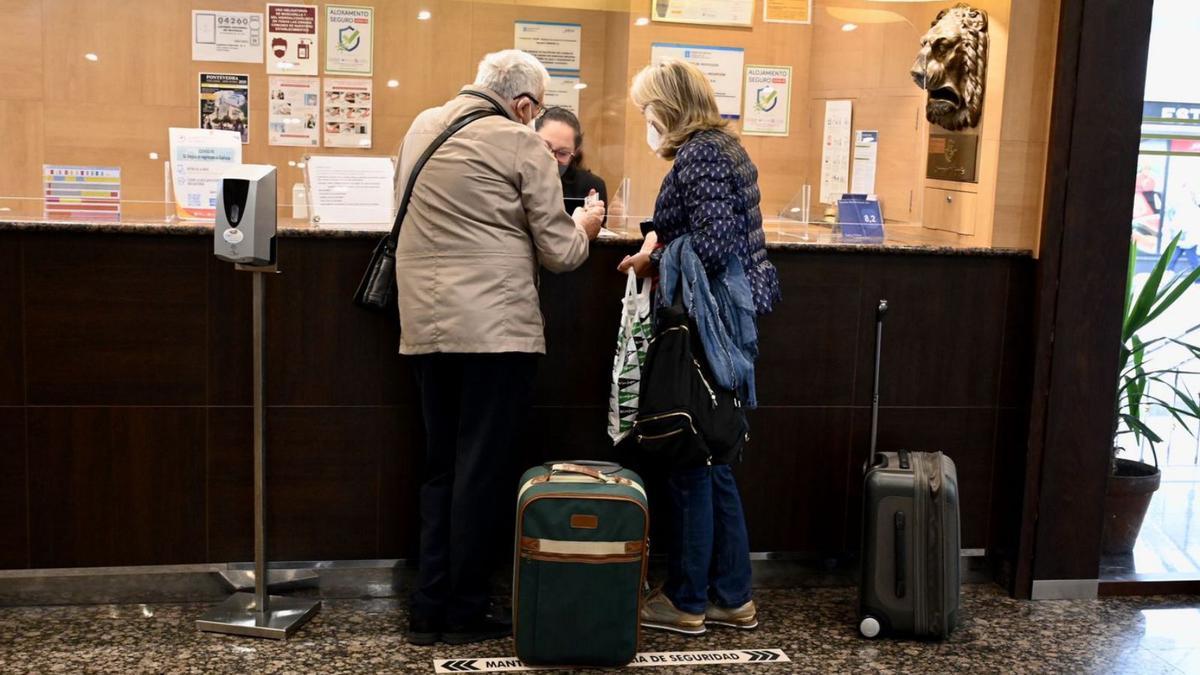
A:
<point x="590" y="218"/>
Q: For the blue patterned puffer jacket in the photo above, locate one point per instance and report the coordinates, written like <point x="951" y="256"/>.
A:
<point x="711" y="192"/>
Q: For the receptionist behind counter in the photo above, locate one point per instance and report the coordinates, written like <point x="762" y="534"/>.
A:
<point x="563" y="134"/>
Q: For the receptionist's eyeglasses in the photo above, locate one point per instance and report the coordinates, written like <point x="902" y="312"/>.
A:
<point x="561" y="154"/>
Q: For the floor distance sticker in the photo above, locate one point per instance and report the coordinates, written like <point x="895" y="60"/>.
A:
<point x="511" y="664"/>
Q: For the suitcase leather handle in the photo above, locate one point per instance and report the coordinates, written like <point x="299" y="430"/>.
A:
<point x="900" y="555"/>
<point x="579" y="469"/>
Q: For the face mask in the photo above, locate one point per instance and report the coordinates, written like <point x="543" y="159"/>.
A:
<point x="653" y="137"/>
<point x="562" y="169"/>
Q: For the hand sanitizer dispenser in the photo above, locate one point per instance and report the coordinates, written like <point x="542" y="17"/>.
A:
<point x="245" y="228"/>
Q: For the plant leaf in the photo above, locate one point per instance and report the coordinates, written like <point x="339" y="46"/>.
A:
<point x="1140" y="429"/>
<point x="1135" y="320"/>
<point x="1129" y="270"/>
<point x="1173" y="291"/>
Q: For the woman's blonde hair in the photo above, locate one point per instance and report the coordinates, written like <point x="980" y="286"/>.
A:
<point x="682" y="100"/>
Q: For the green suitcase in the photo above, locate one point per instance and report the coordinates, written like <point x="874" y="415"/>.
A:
<point x="579" y="565"/>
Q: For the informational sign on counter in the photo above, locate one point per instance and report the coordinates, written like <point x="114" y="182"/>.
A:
<point x="835" y="151"/>
<point x="563" y="92"/>
<point x="768" y="101"/>
<point x="706" y="12"/>
<point x="294" y="105"/>
<point x="556" y="45"/>
<point x="722" y="65"/>
<point x="350" y="190"/>
<point x="348" y="113"/>
<point x="199" y="157"/>
<point x="291" y="39"/>
<point x="225" y="103"/>
<point x="82" y="192"/>
<point x="866" y="156"/>
<point x="227" y="36"/>
<point x="349" y="39"/>
<point x="787" y="11"/>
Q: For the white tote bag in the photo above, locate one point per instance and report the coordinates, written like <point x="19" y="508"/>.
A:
<point x="632" y="338"/>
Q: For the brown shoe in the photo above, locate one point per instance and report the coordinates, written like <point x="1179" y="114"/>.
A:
<point x="658" y="612"/>
<point x="744" y="617"/>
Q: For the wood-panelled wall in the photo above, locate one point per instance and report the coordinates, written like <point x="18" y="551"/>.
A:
<point x="59" y="108"/>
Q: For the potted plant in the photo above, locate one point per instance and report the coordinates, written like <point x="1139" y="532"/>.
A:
<point x="1132" y="484"/>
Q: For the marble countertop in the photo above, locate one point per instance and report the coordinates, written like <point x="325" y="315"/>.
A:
<point x="781" y="235"/>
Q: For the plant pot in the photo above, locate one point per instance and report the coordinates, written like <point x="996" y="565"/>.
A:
<point x="1130" y="490"/>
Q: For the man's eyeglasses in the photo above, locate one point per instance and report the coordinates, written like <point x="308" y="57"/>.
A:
<point x="536" y="104"/>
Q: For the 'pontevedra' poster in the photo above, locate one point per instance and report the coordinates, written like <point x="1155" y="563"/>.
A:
<point x="225" y="103"/>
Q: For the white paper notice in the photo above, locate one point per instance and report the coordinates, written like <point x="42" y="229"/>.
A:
<point x="351" y="190"/>
<point x="556" y="45"/>
<point x="294" y="107"/>
<point x="710" y="12"/>
<point x="348" y="39"/>
<point x="722" y="65"/>
<point x="291" y="39"/>
<point x="227" y="36"/>
<point x="199" y="157"/>
<point x="866" y="154"/>
<point x="835" y="151"/>
<point x="563" y="92"/>
<point x="768" y="101"/>
<point x="348" y="117"/>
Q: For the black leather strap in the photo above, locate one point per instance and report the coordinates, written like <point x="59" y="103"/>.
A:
<point x="454" y="128"/>
<point x="468" y="92"/>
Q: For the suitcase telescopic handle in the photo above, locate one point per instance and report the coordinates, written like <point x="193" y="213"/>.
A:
<point x="900" y="555"/>
<point x="905" y="463"/>
<point x="880" y="312"/>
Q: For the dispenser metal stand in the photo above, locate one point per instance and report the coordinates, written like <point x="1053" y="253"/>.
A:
<point x="259" y="614"/>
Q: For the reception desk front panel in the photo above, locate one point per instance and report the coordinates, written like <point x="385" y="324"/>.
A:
<point x="125" y="418"/>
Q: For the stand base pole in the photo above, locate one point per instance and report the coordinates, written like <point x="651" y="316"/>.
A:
<point x="239" y="615"/>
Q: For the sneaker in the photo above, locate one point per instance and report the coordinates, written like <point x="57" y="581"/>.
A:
<point x="423" y="632"/>
<point x="744" y="617"/>
<point x="487" y="628"/>
<point x="659" y="612"/>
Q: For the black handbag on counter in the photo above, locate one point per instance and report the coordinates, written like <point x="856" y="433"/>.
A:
<point x="377" y="290"/>
<point x="685" y="418"/>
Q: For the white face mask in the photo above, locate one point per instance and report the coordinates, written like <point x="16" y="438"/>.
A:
<point x="653" y="137"/>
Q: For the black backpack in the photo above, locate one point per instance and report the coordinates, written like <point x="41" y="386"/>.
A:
<point x="684" y="418"/>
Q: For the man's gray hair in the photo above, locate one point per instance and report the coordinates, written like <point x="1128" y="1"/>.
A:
<point x="511" y="73"/>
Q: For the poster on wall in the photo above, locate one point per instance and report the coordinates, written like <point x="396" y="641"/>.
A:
<point x="227" y="36"/>
<point x="722" y="65"/>
<point x="351" y="190"/>
<point x="294" y="110"/>
<point x="563" y="92"/>
<point x="348" y="118"/>
<point x="835" y="151"/>
<point x="199" y="158"/>
<point x="291" y="39"/>
<point x="768" y="101"/>
<point x="787" y="11"/>
<point x="556" y="45"/>
<point x="866" y="156"/>
<point x="348" y="39"/>
<point x="705" y="12"/>
<point x="82" y="192"/>
<point x="225" y="103"/>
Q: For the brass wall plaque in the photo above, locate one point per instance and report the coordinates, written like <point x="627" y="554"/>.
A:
<point x="953" y="157"/>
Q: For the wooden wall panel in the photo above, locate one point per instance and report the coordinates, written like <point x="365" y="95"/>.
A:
<point x="20" y="51"/>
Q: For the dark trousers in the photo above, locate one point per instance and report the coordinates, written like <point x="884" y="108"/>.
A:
<point x="473" y="406"/>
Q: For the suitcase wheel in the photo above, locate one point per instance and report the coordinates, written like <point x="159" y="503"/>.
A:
<point x="869" y="627"/>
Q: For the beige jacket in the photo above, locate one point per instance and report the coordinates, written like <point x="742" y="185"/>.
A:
<point x="485" y="212"/>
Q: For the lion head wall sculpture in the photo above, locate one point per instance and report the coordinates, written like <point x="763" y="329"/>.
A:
<point x="952" y="67"/>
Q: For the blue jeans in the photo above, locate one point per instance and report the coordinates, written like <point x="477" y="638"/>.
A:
<point x="708" y="549"/>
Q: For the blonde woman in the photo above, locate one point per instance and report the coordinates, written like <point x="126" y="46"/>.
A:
<point x="711" y="197"/>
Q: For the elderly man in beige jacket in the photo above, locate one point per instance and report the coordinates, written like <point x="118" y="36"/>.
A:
<point x="485" y="214"/>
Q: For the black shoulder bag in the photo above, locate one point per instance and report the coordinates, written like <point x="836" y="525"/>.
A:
<point x="377" y="290"/>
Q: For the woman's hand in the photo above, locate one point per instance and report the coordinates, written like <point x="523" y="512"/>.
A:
<point x="639" y="263"/>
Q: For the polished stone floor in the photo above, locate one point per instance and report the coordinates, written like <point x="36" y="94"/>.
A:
<point x="815" y="627"/>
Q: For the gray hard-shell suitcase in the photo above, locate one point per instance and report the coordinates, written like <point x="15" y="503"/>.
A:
<point x="910" y="550"/>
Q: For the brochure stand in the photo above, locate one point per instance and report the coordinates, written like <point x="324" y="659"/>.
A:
<point x="259" y="614"/>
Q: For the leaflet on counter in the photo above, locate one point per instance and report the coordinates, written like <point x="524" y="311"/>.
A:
<point x="350" y="190"/>
<point x="199" y="158"/>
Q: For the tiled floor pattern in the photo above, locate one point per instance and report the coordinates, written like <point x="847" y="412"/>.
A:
<point x="816" y="627"/>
